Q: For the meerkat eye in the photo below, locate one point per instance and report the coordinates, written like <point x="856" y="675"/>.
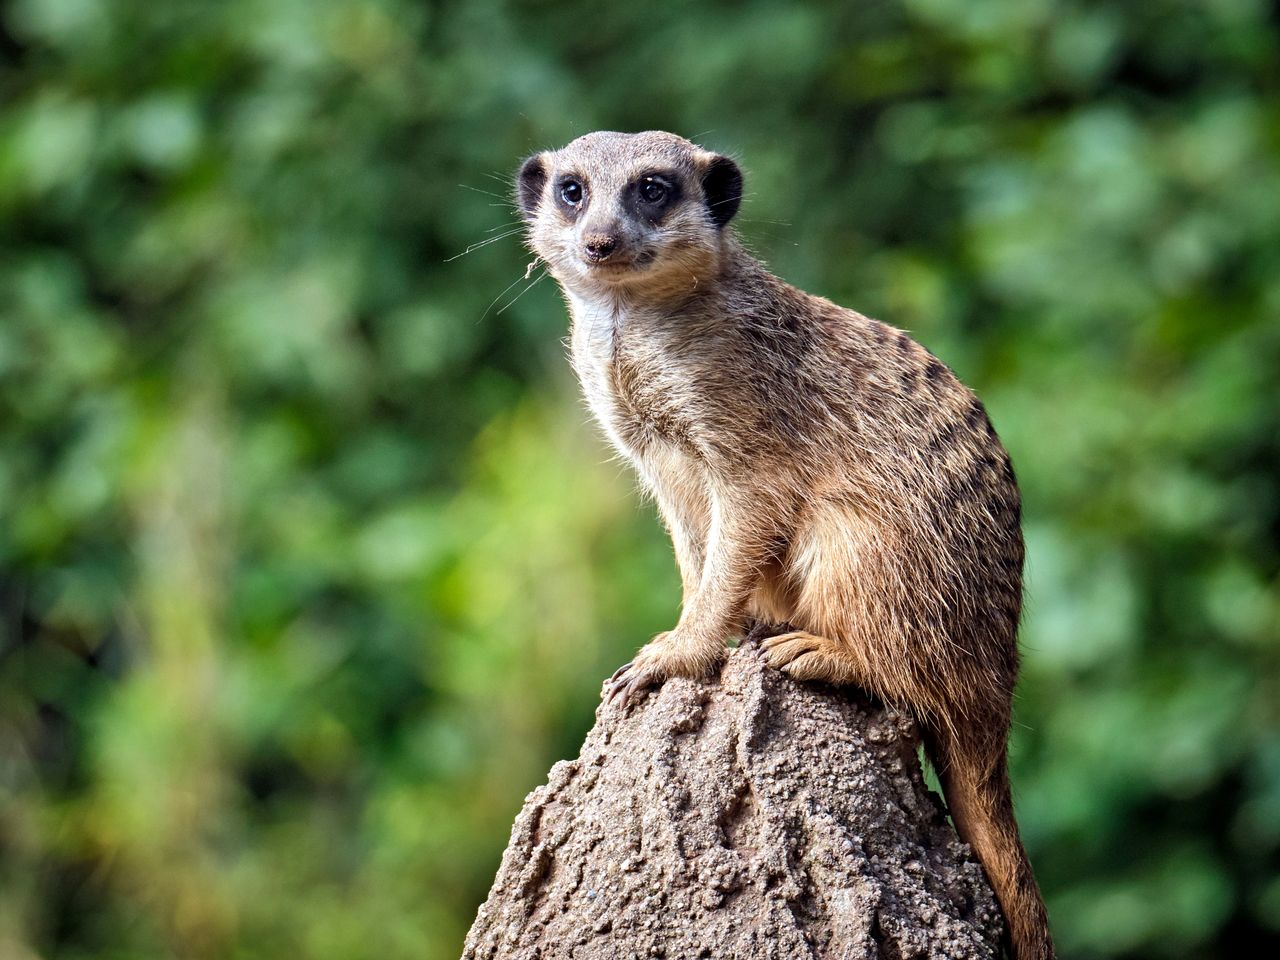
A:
<point x="571" y="192"/>
<point x="652" y="190"/>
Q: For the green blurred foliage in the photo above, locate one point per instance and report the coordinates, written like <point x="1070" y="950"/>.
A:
<point x="310" y="565"/>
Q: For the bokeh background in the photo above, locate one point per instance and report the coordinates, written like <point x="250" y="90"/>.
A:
<point x="310" y="565"/>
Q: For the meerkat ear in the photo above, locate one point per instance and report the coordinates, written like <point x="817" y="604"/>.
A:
<point x="529" y="183"/>
<point x="722" y="186"/>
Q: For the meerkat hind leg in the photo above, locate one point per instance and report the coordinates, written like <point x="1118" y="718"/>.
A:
<point x="807" y="656"/>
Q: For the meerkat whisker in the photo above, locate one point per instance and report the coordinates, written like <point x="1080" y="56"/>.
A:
<point x="506" y="201"/>
<point x="484" y="243"/>
<point x="495" y="300"/>
<point x="533" y="283"/>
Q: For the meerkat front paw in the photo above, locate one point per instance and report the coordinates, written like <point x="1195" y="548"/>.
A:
<point x="666" y="655"/>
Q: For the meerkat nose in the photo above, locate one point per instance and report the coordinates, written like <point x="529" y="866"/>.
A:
<point x="599" y="246"/>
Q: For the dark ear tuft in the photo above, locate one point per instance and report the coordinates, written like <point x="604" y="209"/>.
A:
<point x="722" y="186"/>
<point x="529" y="183"/>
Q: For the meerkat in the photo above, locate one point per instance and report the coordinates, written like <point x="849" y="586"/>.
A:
<point x="816" y="469"/>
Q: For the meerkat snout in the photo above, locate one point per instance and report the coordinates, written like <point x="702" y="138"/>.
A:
<point x="599" y="246"/>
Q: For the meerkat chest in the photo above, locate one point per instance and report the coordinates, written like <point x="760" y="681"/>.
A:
<point x="625" y="376"/>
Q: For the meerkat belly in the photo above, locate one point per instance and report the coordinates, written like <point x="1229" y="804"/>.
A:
<point x="594" y="344"/>
<point x="678" y="482"/>
<point x="613" y="418"/>
<point x="628" y="391"/>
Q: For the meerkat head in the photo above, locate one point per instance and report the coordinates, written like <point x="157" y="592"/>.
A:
<point x="625" y="211"/>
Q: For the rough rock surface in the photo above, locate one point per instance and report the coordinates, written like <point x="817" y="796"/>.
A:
<point x="750" y="817"/>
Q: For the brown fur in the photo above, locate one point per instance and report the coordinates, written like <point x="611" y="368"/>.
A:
<point x="814" y="467"/>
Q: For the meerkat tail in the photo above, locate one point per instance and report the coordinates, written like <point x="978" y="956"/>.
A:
<point x="976" y="785"/>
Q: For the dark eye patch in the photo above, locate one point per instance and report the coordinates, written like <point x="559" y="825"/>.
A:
<point x="654" y="193"/>
<point x="571" y="194"/>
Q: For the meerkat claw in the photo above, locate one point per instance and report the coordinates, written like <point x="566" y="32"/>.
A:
<point x="617" y="674"/>
<point x="628" y="683"/>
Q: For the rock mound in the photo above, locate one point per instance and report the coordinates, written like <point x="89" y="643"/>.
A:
<point x="749" y="817"/>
